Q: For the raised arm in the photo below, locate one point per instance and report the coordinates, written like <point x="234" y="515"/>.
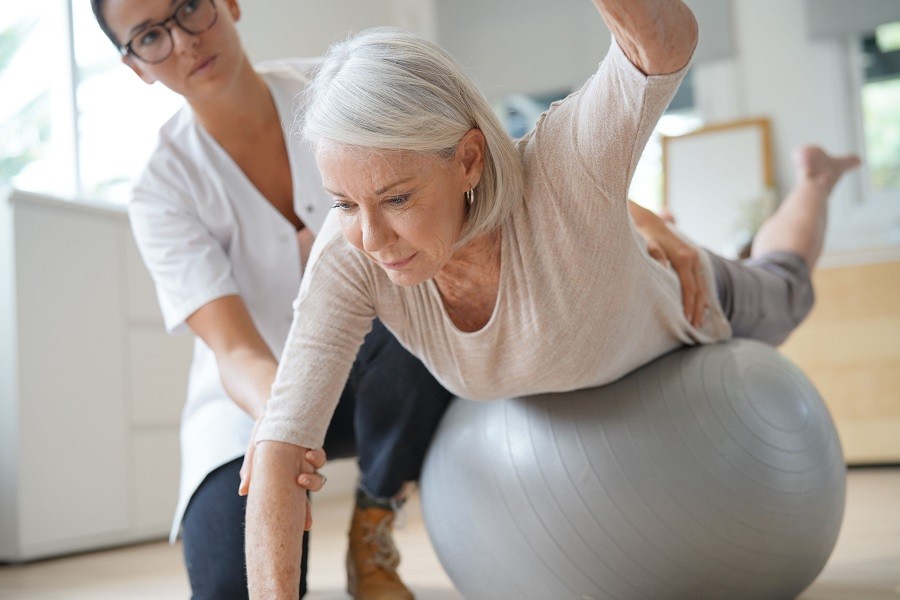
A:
<point x="657" y="36"/>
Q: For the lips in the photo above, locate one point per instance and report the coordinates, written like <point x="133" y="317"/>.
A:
<point x="398" y="264"/>
<point x="202" y="64"/>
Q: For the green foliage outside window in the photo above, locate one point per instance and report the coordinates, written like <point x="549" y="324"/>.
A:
<point x="881" y="115"/>
<point x="881" y="107"/>
<point x="888" y="37"/>
<point x="27" y="129"/>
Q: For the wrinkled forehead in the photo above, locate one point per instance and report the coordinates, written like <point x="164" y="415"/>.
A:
<point x="348" y="168"/>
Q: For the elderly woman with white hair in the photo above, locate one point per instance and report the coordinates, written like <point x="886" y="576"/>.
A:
<point x="509" y="268"/>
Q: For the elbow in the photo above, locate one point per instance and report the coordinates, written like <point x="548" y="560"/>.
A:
<point x="677" y="36"/>
<point x="684" y="47"/>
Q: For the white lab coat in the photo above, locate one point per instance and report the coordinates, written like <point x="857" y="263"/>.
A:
<point x="204" y="232"/>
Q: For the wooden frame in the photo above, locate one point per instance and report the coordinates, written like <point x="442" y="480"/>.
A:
<point x="718" y="181"/>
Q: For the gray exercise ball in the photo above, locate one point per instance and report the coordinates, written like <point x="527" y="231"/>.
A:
<point x="713" y="472"/>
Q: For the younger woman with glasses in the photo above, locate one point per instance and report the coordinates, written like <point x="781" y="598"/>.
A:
<point x="224" y="215"/>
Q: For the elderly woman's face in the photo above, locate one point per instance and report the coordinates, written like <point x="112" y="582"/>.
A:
<point x="404" y="210"/>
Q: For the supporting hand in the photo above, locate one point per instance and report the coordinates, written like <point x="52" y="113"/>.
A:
<point x="311" y="480"/>
<point x="670" y="250"/>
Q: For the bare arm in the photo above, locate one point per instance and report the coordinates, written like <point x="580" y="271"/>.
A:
<point x="246" y="365"/>
<point x="278" y="510"/>
<point x="247" y="369"/>
<point x="657" y="36"/>
<point x="274" y="530"/>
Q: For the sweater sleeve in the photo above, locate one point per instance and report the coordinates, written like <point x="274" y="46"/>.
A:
<point x="597" y="134"/>
<point x="332" y="315"/>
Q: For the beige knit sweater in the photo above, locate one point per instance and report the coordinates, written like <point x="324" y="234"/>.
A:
<point x="580" y="304"/>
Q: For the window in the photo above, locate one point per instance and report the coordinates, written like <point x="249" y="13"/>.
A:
<point x="35" y="133"/>
<point x="879" y="101"/>
<point x="74" y="121"/>
<point x="680" y="117"/>
<point x="647" y="185"/>
<point x="519" y="113"/>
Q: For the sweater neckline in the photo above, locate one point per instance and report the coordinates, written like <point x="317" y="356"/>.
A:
<point x="505" y="235"/>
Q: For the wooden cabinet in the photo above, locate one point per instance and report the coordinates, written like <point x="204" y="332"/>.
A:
<point x="91" y="387"/>
<point x="849" y="347"/>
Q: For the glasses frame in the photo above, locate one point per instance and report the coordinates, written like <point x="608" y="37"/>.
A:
<point x="126" y="49"/>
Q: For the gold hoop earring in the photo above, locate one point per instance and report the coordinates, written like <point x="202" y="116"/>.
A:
<point x="470" y="196"/>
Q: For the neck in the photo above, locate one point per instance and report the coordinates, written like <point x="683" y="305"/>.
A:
<point x="470" y="283"/>
<point x="471" y="265"/>
<point x="243" y="108"/>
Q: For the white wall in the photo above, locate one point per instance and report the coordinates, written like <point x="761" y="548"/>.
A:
<point x="806" y="88"/>
<point x="534" y="46"/>
<point x="523" y="46"/>
<point x="803" y="85"/>
<point x="282" y="28"/>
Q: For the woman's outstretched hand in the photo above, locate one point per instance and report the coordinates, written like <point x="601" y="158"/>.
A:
<point x="670" y="250"/>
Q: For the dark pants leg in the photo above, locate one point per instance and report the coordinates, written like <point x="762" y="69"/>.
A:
<point x="213" y="535"/>
<point x="387" y="414"/>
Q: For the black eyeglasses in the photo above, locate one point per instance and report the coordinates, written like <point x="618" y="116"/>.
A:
<point x="154" y="44"/>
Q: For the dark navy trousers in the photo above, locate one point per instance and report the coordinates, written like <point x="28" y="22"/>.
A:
<point x="386" y="417"/>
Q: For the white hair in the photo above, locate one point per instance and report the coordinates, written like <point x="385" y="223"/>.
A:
<point x="387" y="89"/>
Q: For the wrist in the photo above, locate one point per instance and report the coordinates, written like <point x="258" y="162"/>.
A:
<point x="258" y="411"/>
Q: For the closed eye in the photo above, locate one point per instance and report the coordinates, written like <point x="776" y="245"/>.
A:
<point x="344" y="206"/>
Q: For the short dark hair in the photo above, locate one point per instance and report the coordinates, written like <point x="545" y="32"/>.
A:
<point x="97" y="6"/>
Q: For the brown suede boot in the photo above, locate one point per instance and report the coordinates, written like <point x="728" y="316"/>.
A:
<point x="372" y="558"/>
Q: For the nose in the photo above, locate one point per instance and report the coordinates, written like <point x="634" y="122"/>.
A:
<point x="376" y="233"/>
<point x="181" y="39"/>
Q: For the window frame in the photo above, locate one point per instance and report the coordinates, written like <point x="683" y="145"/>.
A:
<point x="76" y="160"/>
<point x="857" y="60"/>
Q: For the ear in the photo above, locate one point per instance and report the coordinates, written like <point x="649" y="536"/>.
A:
<point x="234" y="9"/>
<point x="136" y="67"/>
<point x="470" y="153"/>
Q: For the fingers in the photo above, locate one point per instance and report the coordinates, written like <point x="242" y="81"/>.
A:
<point x="656" y="252"/>
<point x="309" y="520"/>
<point x="247" y="464"/>
<point x="701" y="300"/>
<point x="316" y="458"/>
<point x="311" y="479"/>
<point x="668" y="249"/>
<point x="244" y="486"/>
<point x="313" y="482"/>
<point x="686" y="263"/>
